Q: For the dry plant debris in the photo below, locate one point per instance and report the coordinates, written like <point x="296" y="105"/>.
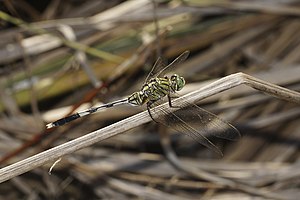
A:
<point x="66" y="55"/>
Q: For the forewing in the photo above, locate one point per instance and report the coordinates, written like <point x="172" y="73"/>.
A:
<point x="160" y="66"/>
<point x="157" y="67"/>
<point x="182" y="57"/>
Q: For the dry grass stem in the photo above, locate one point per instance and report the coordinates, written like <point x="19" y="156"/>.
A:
<point x="216" y="87"/>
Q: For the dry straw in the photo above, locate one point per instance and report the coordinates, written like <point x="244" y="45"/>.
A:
<point x="216" y="87"/>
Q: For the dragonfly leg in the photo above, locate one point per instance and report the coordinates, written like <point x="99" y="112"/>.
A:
<point x="170" y="102"/>
<point x="149" y="104"/>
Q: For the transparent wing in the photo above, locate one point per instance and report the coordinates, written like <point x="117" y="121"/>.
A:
<point x="160" y="66"/>
<point x="182" y="57"/>
<point x="199" y="124"/>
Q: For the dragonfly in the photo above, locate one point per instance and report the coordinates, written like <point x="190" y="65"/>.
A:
<point x="187" y="118"/>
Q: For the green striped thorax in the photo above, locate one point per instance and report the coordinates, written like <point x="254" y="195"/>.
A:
<point x="156" y="89"/>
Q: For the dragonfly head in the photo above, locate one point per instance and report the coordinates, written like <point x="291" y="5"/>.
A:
<point x="137" y="98"/>
<point x="177" y="82"/>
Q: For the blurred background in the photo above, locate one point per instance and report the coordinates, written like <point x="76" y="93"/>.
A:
<point x="58" y="57"/>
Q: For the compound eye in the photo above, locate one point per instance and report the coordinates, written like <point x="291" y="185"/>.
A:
<point x="178" y="82"/>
